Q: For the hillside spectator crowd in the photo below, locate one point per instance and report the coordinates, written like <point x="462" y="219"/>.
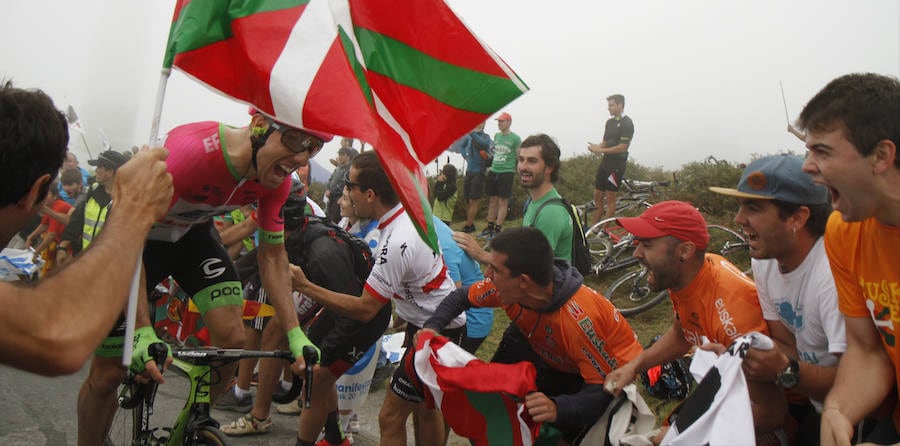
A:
<point x="235" y="222"/>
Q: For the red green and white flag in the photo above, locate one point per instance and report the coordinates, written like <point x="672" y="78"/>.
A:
<point x="484" y="402"/>
<point x="406" y="76"/>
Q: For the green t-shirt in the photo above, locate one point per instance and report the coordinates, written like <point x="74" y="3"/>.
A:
<point x="505" y="148"/>
<point x="554" y="221"/>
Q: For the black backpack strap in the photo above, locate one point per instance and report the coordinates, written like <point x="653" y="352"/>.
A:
<point x="554" y="200"/>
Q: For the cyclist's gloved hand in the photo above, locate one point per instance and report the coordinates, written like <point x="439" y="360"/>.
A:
<point x="140" y="356"/>
<point x="297" y="340"/>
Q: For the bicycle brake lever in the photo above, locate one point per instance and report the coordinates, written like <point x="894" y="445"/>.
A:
<point x="310" y="357"/>
<point x="158" y="352"/>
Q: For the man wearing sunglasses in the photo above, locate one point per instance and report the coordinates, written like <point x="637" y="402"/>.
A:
<point x="215" y="169"/>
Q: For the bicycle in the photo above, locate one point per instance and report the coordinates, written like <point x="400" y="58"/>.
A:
<point x="633" y="200"/>
<point x="731" y="244"/>
<point x="631" y="292"/>
<point x="611" y="246"/>
<point x="193" y="425"/>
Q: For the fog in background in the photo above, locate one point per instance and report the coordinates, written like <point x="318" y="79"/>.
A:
<point x="700" y="77"/>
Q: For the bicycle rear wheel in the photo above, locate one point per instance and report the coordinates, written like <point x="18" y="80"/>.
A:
<point x="211" y="436"/>
<point x="632" y="295"/>
<point x="729" y="244"/>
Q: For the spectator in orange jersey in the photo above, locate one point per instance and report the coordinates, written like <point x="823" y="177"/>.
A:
<point x="713" y="301"/>
<point x="852" y="129"/>
<point x="572" y="334"/>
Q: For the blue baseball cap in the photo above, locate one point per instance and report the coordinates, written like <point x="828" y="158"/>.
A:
<point x="777" y="177"/>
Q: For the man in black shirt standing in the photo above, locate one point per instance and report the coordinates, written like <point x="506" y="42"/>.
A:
<point x="616" y="139"/>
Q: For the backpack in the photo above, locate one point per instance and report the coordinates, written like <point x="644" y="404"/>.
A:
<point x="314" y="227"/>
<point x="671" y="380"/>
<point x="581" y="252"/>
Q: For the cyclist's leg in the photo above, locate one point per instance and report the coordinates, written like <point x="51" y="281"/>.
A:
<point x="203" y="269"/>
<point x="97" y="397"/>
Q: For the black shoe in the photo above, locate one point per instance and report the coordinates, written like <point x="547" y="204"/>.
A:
<point x="468" y="229"/>
<point x="487" y="231"/>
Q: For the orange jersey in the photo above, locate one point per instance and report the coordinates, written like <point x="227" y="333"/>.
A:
<point x="721" y="304"/>
<point x="864" y="262"/>
<point x="586" y="335"/>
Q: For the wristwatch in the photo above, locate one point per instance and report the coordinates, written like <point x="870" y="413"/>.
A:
<point x="790" y="376"/>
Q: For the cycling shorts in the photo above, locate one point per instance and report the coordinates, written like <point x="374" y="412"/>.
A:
<point x="200" y="265"/>
<point x="406" y="383"/>
<point x="610" y="174"/>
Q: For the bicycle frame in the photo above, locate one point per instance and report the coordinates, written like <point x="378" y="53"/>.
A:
<point x="198" y="365"/>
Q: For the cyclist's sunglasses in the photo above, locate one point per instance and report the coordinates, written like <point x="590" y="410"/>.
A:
<point x="297" y="141"/>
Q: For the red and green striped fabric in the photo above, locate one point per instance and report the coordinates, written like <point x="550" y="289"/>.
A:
<point x="409" y="78"/>
<point x="483" y="402"/>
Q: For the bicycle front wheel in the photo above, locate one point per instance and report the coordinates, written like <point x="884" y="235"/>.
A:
<point x="211" y="436"/>
<point x="632" y="295"/>
<point x="729" y="244"/>
<point x="126" y="428"/>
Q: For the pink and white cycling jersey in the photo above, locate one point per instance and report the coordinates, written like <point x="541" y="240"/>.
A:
<point x="207" y="185"/>
<point x="407" y="270"/>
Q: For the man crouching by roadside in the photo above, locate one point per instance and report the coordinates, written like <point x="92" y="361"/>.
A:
<point x="572" y="334"/>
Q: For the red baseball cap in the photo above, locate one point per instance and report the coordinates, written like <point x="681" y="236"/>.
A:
<point x="676" y="218"/>
<point x="504" y="117"/>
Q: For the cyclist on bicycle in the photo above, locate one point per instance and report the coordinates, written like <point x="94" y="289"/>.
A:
<point x="215" y="169"/>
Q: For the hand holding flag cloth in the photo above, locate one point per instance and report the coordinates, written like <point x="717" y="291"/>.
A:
<point x="484" y="402"/>
<point x="409" y="78"/>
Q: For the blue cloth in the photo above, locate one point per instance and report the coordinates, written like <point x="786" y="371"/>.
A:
<point x="470" y="146"/>
<point x="85" y="175"/>
<point x="466" y="270"/>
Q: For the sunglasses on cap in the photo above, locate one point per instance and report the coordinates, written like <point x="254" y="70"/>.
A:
<point x="297" y="141"/>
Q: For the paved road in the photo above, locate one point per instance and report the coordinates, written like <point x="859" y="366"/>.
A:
<point x="38" y="411"/>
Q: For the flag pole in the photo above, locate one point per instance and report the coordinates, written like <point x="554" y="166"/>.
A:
<point x="84" y="140"/>
<point x="131" y="312"/>
<point x="784" y="101"/>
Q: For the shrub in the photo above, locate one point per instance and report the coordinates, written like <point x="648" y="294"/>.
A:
<point x="695" y="178"/>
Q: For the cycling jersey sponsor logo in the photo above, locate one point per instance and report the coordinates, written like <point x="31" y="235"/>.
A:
<point x="596" y="365"/>
<point x="587" y="326"/>
<point x="211" y="142"/>
<point x="224" y="291"/>
<point x="210" y="268"/>
<point x="727" y="319"/>
<point x="481" y="298"/>
<point x="575" y="310"/>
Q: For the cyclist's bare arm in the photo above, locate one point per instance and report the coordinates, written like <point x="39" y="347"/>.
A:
<point x="54" y="327"/>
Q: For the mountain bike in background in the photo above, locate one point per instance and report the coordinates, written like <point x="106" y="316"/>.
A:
<point x="731" y="244"/>
<point x="632" y="200"/>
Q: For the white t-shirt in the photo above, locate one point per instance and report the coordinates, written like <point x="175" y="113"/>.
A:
<point x="805" y="301"/>
<point x="408" y="271"/>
